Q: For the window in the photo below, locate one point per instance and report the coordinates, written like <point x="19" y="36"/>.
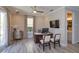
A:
<point x="30" y="24"/>
<point x="30" y="27"/>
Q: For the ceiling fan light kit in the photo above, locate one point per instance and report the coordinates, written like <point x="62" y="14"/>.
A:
<point x="34" y="11"/>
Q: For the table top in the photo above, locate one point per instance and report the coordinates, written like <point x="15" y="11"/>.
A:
<point x="42" y="33"/>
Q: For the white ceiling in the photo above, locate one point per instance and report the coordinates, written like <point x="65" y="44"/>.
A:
<point x="27" y="10"/>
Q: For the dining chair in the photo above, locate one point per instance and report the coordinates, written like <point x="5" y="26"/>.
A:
<point x="56" y="39"/>
<point x="45" y="41"/>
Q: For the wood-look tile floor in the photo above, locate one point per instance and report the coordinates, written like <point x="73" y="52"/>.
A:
<point x="28" y="46"/>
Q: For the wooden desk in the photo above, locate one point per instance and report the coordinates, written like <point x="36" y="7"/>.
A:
<point x="38" y="36"/>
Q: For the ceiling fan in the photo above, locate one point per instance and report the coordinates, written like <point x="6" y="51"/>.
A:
<point x="36" y="11"/>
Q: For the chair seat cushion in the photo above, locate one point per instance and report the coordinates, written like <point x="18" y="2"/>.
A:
<point x="41" y="41"/>
<point x="52" y="39"/>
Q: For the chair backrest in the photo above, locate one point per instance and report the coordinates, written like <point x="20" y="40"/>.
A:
<point x="57" y="36"/>
<point x="46" y="38"/>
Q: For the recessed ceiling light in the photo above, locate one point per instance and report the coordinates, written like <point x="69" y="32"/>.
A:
<point x="17" y="11"/>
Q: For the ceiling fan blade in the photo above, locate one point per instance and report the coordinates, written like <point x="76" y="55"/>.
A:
<point x="35" y="9"/>
<point x="40" y="11"/>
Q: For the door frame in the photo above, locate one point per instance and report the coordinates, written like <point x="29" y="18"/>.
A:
<point x="72" y="40"/>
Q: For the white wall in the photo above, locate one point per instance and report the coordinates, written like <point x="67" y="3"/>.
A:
<point x="61" y="15"/>
<point x="39" y="22"/>
<point x="75" y="27"/>
<point x="17" y="20"/>
<point x="78" y="25"/>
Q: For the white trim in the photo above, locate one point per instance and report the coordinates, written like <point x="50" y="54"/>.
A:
<point x="73" y="28"/>
<point x="66" y="24"/>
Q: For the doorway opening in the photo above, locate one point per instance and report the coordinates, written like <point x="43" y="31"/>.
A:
<point x="69" y="27"/>
<point x="30" y="27"/>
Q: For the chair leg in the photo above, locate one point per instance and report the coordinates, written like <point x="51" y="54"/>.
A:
<point x="54" y="44"/>
<point x="43" y="47"/>
<point x="49" y="46"/>
<point x="39" y="45"/>
<point x="59" y="44"/>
